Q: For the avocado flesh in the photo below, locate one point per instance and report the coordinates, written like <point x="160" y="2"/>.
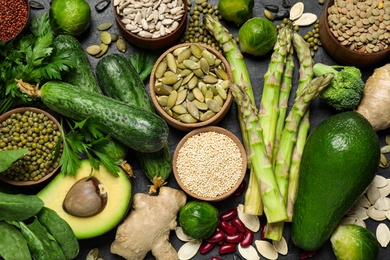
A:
<point x="339" y="162"/>
<point x="118" y="200"/>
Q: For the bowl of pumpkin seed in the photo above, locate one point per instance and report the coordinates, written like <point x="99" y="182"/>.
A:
<point x="356" y="32"/>
<point x="189" y="86"/>
<point x="154" y="24"/>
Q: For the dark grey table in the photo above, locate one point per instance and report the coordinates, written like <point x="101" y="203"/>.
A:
<point x="257" y="67"/>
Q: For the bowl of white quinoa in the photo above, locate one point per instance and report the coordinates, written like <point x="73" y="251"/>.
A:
<point x="209" y="163"/>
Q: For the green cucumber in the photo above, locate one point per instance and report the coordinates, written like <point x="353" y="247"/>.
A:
<point x="83" y="77"/>
<point x="136" y="128"/>
<point x="339" y="162"/>
<point x="120" y="80"/>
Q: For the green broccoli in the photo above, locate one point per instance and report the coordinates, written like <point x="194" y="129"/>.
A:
<point x="345" y="90"/>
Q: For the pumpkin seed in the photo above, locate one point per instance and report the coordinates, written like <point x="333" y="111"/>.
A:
<point x="204" y="65"/>
<point x="184" y="55"/>
<point x="93" y="254"/>
<point x="208" y="93"/>
<point x="172" y="99"/>
<point x="379" y="181"/>
<point x="162" y="89"/>
<point x="170" y="79"/>
<point x="114" y="37"/>
<point x="121" y="45"/>
<point x="206" y="115"/>
<point x="180" y="235"/>
<point x="221" y="74"/>
<point x="387" y="139"/>
<point x="187" y="118"/>
<point x="248" y="252"/>
<point x="179" y="109"/>
<point x="296" y="11"/>
<point x="281" y="246"/>
<point x="306" y="19"/>
<point x="213" y="105"/>
<point x="162" y="100"/>
<point x="196" y="50"/>
<point x="189" y="249"/>
<point x="382" y="204"/>
<point x="385" y="149"/>
<point x="171" y="62"/>
<point x="251" y="222"/>
<point x="373" y="194"/>
<point x="383" y="234"/>
<point x="199" y="73"/>
<point x="104" y="26"/>
<point x="266" y="249"/>
<point x="190" y="64"/>
<point x="93" y="49"/>
<point x="200" y="105"/>
<point x="161" y="68"/>
<point x="198" y="94"/>
<point x="375" y="214"/>
<point x="210" y="79"/>
<point x="221" y="92"/>
<point x="193" y="109"/>
<point x="105" y="37"/>
<point x="209" y="57"/>
<point x="181" y="96"/>
<point x="104" y="48"/>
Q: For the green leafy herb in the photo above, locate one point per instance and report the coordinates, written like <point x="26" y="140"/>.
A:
<point x="7" y="157"/>
<point x="32" y="59"/>
<point x="81" y="140"/>
<point x="143" y="62"/>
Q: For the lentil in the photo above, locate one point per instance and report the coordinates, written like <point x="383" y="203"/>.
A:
<point x="209" y="164"/>
<point x="13" y="17"/>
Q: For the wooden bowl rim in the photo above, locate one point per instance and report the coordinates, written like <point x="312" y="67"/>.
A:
<point x="190" y="126"/>
<point x="5" y="116"/>
<point x="220" y="130"/>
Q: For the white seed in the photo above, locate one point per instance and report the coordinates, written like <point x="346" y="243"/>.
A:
<point x="385" y="191"/>
<point x="189" y="249"/>
<point x="252" y="222"/>
<point x="360" y="222"/>
<point x="375" y="214"/>
<point x="248" y="253"/>
<point x="306" y="19"/>
<point x="266" y="249"/>
<point x="360" y="212"/>
<point x="180" y="235"/>
<point x="363" y="202"/>
<point x="385" y="149"/>
<point x="373" y="194"/>
<point x="348" y="221"/>
<point x="383" y="234"/>
<point x="296" y="11"/>
<point x="379" y="181"/>
<point x="281" y="246"/>
<point x="382" y="204"/>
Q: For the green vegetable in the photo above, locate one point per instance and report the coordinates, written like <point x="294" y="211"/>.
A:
<point x="61" y="231"/>
<point x="42" y="245"/>
<point x="120" y="81"/>
<point x="8" y="157"/>
<point x="13" y="245"/>
<point x="257" y="36"/>
<point x="19" y="206"/>
<point x="143" y="62"/>
<point x="136" y="128"/>
<point x="198" y="219"/>
<point x="31" y="59"/>
<point x="345" y="90"/>
<point x="238" y="11"/>
<point x="339" y="162"/>
<point x="71" y="17"/>
<point x="354" y="242"/>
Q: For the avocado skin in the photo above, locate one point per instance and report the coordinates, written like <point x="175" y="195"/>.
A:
<point x="339" y="161"/>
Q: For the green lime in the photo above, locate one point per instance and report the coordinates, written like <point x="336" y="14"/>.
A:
<point x="72" y="17"/>
<point x="238" y="11"/>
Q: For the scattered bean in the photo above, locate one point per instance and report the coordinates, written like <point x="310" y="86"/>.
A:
<point x="236" y="222"/>
<point x="216" y="237"/>
<point x="227" y="248"/>
<point x="240" y="190"/>
<point x="235" y="238"/>
<point x="228" y="215"/>
<point x="206" y="247"/>
<point x="227" y="228"/>
<point x="248" y="239"/>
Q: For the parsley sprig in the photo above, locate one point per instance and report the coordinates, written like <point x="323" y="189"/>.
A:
<point x="81" y="140"/>
<point x="31" y="58"/>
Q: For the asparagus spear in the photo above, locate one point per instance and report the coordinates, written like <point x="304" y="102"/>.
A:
<point x="253" y="203"/>
<point x="274" y="205"/>
<point x="269" y="104"/>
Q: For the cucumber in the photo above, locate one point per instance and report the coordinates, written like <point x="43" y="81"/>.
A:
<point x="339" y="162"/>
<point x="83" y="77"/>
<point x="136" y="128"/>
<point x="120" y="80"/>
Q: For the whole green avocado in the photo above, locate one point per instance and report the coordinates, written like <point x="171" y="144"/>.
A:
<point x="339" y="161"/>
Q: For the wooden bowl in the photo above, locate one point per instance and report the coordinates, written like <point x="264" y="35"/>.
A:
<point x="21" y="110"/>
<point x="223" y="154"/>
<point x="180" y="125"/>
<point x="26" y="24"/>
<point x="152" y="43"/>
<point x="343" y="54"/>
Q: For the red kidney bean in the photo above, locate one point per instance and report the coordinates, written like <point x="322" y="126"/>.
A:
<point x="206" y="247"/>
<point x="263" y="227"/>
<point x="236" y="238"/>
<point x="216" y="237"/>
<point x="248" y="238"/>
<point x="240" y="190"/>
<point x="228" y="215"/>
<point x="227" y="248"/>
<point x="307" y="254"/>
<point x="216" y="258"/>
<point x="236" y="222"/>
<point x="227" y="227"/>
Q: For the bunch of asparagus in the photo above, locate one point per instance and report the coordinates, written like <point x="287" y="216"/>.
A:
<point x="273" y="135"/>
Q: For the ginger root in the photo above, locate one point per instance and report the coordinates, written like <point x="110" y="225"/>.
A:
<point x="148" y="226"/>
<point x="375" y="102"/>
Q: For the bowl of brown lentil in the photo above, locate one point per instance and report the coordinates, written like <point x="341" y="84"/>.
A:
<point x="14" y="17"/>
<point x="209" y="163"/>
<point x="356" y="33"/>
<point x="153" y="24"/>
<point x="39" y="132"/>
<point x="189" y="86"/>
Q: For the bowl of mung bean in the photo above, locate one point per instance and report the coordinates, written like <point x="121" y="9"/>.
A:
<point x="153" y="24"/>
<point x="189" y="86"/>
<point x="209" y="163"/>
<point x="356" y="33"/>
<point x="15" y="18"/>
<point x="38" y="132"/>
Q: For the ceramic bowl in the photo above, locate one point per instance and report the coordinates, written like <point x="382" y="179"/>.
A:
<point x="213" y="175"/>
<point x="21" y="110"/>
<point x="342" y="54"/>
<point x="166" y="115"/>
<point x="152" y="43"/>
<point x="26" y="23"/>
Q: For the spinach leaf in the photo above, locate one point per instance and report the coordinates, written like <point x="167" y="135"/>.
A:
<point x="13" y="245"/>
<point x="19" y="206"/>
<point x="7" y="157"/>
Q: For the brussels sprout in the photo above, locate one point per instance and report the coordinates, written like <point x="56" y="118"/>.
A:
<point x="72" y="17"/>
<point x="257" y="36"/>
<point x="238" y="11"/>
<point x="354" y="242"/>
<point x="198" y="219"/>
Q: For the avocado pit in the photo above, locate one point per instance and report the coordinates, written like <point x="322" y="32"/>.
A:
<point x="86" y="198"/>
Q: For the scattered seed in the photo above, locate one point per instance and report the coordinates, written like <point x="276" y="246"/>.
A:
<point x="248" y="252"/>
<point x="104" y="48"/>
<point x="189" y="249"/>
<point x="383" y="234"/>
<point x="266" y="249"/>
<point x="104" y="26"/>
<point x="252" y="222"/>
<point x="306" y="19"/>
<point x="281" y="246"/>
<point x="36" y="5"/>
<point x="375" y="214"/>
<point x="296" y="11"/>
<point x="180" y="235"/>
<point x="93" y="49"/>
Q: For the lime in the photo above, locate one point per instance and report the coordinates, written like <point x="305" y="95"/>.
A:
<point x="238" y="11"/>
<point x="71" y="17"/>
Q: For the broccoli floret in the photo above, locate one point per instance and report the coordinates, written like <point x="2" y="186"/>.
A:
<point x="345" y="90"/>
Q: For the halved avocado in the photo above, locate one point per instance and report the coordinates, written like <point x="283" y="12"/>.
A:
<point x="115" y="204"/>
